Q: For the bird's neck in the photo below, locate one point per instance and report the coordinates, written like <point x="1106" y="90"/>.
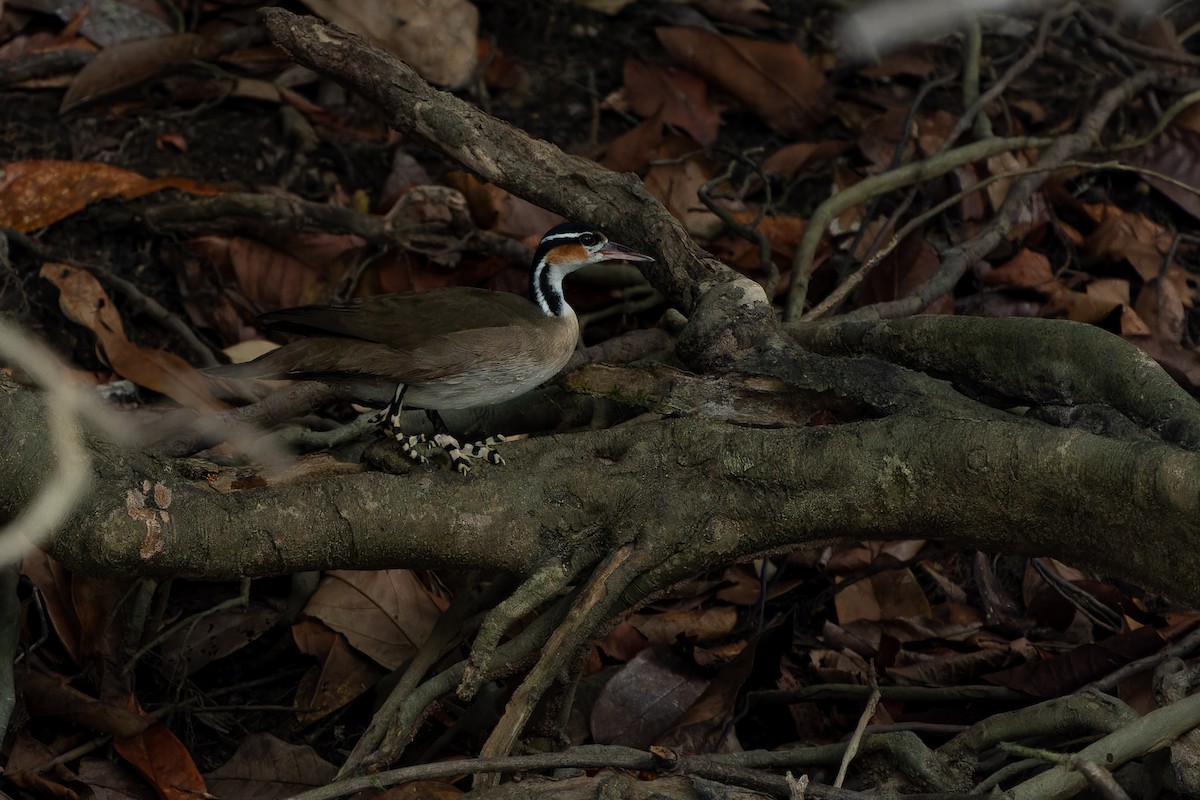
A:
<point x="545" y="288"/>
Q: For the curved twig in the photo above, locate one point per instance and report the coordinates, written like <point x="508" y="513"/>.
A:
<point x="828" y="211"/>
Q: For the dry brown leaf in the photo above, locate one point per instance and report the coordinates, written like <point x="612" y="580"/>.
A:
<point x="745" y="586"/>
<point x="501" y="211"/>
<point x="1034" y="213"/>
<point x="849" y="220"/>
<point x="705" y="726"/>
<point x="268" y="277"/>
<point x="124" y="65"/>
<point x="1127" y="235"/>
<point x="1065" y="672"/>
<point x="881" y="135"/>
<point x="892" y="594"/>
<point x="341" y="675"/>
<point x="111" y="780"/>
<point x="678" y="97"/>
<point x="216" y="636"/>
<point x="1175" y="153"/>
<point x="932" y="130"/>
<point x="164" y="762"/>
<point x="633" y="149"/>
<point x="973" y="206"/>
<point x="1031" y="270"/>
<point x="790" y="159"/>
<point x="266" y="767"/>
<point x="1133" y="325"/>
<point x="774" y="79"/>
<point x="697" y="625"/>
<point x="952" y="669"/>
<point x="52" y="697"/>
<point x="54" y="582"/>
<point x="837" y="666"/>
<point x="1028" y="269"/>
<point x="421" y="790"/>
<point x="1110" y="290"/>
<point x="85" y="302"/>
<point x="645" y="698"/>
<point x="435" y="37"/>
<point x="1160" y="306"/>
<point x="1034" y="110"/>
<point x="623" y="642"/>
<point x="34" y="194"/>
<point x="782" y="232"/>
<point x="1159" y="32"/>
<point x="859" y="556"/>
<point x="1075" y="306"/>
<point x="676" y="185"/>
<point x="384" y="614"/>
<point x="912" y="263"/>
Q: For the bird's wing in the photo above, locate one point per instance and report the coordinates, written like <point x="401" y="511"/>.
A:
<point x="406" y="321"/>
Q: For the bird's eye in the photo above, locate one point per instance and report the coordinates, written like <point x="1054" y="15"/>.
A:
<point x="589" y="239"/>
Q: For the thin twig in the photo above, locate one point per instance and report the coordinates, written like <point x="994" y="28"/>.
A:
<point x="749" y="232"/>
<point x="974" y="111"/>
<point x="847" y="286"/>
<point x="972" y="55"/>
<point x="1109" y="682"/>
<point x="1138" y="48"/>
<point x="863" y="720"/>
<point x="957" y="260"/>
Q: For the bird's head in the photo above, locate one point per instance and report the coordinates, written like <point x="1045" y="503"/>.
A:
<point x="566" y="248"/>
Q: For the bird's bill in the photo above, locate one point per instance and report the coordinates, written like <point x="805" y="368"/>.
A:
<point x="620" y="251"/>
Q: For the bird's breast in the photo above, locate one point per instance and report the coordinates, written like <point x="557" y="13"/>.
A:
<point x="488" y="366"/>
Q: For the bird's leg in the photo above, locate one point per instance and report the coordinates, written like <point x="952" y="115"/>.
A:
<point x="459" y="453"/>
<point x="389" y="419"/>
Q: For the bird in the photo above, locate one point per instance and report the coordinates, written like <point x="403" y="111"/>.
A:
<point x="448" y="348"/>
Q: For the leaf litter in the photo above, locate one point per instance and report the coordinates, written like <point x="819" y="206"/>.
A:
<point x="684" y="672"/>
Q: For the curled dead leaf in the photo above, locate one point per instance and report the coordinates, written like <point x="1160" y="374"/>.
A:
<point x="85" y="302"/>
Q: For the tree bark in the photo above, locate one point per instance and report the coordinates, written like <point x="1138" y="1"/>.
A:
<point x="717" y="491"/>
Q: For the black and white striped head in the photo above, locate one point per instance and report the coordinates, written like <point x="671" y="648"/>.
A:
<point x="564" y="249"/>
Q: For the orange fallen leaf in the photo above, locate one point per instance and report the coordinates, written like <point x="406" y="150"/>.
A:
<point x="34" y="194"/>
<point x="84" y="301"/>
<point x="163" y="761"/>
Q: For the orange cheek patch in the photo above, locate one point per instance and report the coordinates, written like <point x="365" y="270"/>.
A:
<point x="567" y="253"/>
